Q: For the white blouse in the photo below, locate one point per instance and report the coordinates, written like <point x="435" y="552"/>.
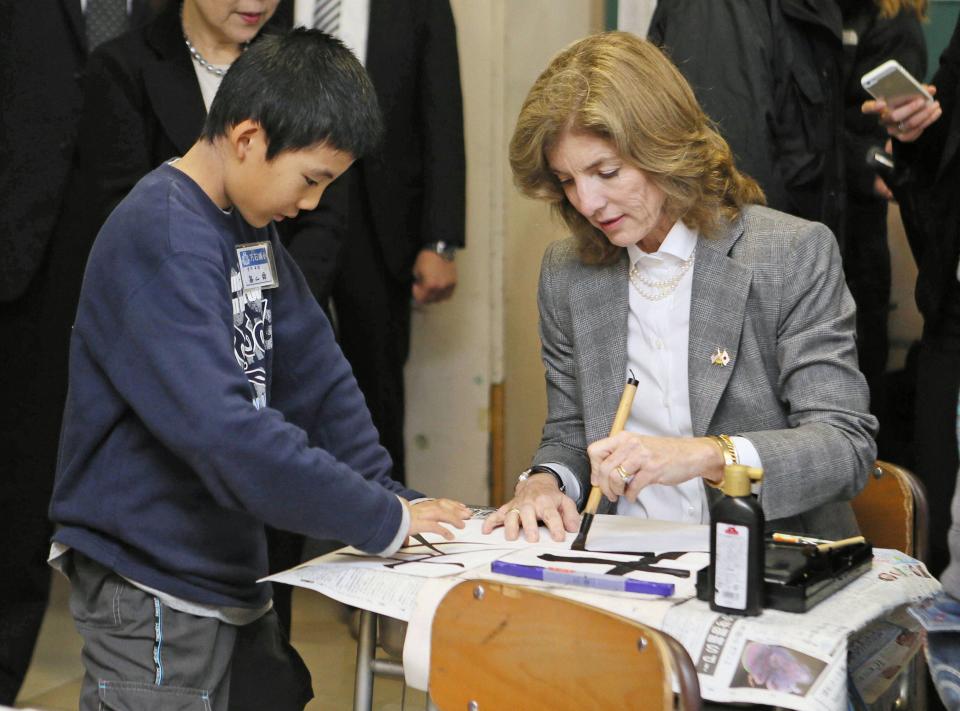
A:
<point x="657" y="351"/>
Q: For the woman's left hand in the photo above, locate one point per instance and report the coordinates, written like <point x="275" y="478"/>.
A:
<point x="625" y="463"/>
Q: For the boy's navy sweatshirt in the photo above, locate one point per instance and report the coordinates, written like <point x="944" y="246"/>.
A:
<point x="198" y="411"/>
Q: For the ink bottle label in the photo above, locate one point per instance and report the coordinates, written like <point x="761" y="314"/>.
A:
<point x="730" y="565"/>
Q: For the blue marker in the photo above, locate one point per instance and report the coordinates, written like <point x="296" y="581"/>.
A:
<point x="586" y="580"/>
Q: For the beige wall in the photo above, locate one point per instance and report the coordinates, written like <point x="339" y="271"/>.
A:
<point x="455" y="345"/>
<point x="529" y="226"/>
<point x="487" y="333"/>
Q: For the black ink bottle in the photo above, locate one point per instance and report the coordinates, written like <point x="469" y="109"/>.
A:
<point x="736" y="544"/>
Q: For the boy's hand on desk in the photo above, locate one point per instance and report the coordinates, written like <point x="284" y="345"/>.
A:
<point x="536" y="499"/>
<point x="430" y="514"/>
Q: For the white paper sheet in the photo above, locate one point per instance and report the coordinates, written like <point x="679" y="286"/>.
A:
<point x="626" y="533"/>
<point x="472" y="533"/>
<point x="373" y="583"/>
<point x="382" y="592"/>
<point x="416" y="646"/>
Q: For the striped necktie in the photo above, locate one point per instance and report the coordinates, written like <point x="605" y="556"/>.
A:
<point x="105" y="20"/>
<point x="326" y="16"/>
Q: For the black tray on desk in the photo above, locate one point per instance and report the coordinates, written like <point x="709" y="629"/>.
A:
<point x="797" y="577"/>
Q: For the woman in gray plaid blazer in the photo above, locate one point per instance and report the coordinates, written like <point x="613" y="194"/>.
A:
<point x="671" y="245"/>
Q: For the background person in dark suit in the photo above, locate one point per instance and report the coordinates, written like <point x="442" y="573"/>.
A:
<point x="782" y="80"/>
<point x="873" y="33"/>
<point x="407" y="202"/>
<point x="43" y="50"/>
<point x="771" y="77"/>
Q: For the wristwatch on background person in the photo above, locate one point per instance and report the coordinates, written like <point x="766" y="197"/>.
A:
<point x="540" y="469"/>
<point x="445" y="250"/>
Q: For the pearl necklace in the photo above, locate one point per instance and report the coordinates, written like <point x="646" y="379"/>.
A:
<point x="198" y="58"/>
<point x="652" y="290"/>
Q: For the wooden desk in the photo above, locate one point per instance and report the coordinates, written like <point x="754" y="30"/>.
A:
<point x="818" y="639"/>
<point x="909" y="686"/>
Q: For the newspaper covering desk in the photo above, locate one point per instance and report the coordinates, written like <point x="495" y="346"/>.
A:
<point x="796" y="661"/>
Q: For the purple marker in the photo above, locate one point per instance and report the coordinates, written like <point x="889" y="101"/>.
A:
<point x="597" y="581"/>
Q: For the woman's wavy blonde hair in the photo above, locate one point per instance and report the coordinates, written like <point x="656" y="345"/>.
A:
<point x="891" y="8"/>
<point x="623" y="89"/>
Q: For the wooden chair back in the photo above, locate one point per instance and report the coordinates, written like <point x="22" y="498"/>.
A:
<point x="892" y="510"/>
<point x="504" y="647"/>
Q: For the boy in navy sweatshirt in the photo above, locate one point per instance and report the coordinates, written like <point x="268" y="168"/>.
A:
<point x="208" y="398"/>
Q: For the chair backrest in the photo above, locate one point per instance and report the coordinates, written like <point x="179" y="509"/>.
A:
<point x="496" y="646"/>
<point x="892" y="510"/>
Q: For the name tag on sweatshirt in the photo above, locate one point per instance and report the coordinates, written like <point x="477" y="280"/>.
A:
<point x="256" y="266"/>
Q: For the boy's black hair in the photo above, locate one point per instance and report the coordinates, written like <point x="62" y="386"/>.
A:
<point x="303" y="87"/>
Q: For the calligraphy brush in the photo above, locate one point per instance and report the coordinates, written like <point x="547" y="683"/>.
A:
<point x="593" y="501"/>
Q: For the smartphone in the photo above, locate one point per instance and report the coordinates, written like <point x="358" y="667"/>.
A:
<point x="881" y="162"/>
<point x="892" y="83"/>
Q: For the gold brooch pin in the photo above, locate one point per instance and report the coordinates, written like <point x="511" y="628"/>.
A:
<point x="721" y="357"/>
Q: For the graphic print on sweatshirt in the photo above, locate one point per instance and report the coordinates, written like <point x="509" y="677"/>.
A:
<point x="252" y="335"/>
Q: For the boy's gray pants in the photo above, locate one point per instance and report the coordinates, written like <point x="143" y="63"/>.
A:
<point x="141" y="655"/>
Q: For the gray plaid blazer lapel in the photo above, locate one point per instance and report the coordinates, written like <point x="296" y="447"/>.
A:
<point x="717" y="305"/>
<point x="601" y="326"/>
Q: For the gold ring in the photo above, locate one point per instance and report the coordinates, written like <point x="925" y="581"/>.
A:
<point x="626" y="478"/>
<point x="514" y="510"/>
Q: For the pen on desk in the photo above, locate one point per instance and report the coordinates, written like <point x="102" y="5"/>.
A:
<point x="586" y="580"/>
<point x="842" y="543"/>
<point x="791" y="538"/>
<point x="822" y="545"/>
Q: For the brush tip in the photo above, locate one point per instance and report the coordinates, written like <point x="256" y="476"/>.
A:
<point x="580" y="542"/>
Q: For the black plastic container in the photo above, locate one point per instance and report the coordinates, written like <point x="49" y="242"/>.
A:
<point x="737" y="545"/>
<point x="797" y="578"/>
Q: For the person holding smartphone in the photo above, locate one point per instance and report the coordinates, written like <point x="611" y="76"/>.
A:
<point x="926" y="148"/>
<point x="874" y="33"/>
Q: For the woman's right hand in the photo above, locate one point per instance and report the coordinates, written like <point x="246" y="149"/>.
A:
<point x="907" y="120"/>
<point x="534" y="500"/>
